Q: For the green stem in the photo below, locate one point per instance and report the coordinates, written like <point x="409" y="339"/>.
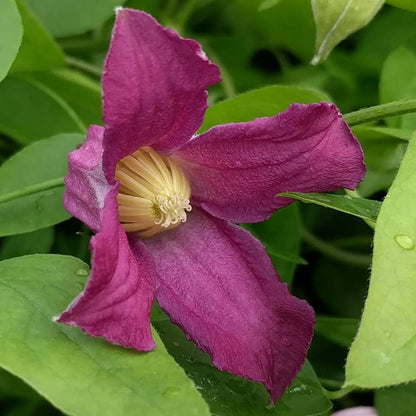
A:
<point x="338" y="394"/>
<point x="360" y="260"/>
<point x="332" y="384"/>
<point x="226" y="82"/>
<point x="32" y="189"/>
<point x="185" y="14"/>
<point x="84" y="45"/>
<point x="381" y="111"/>
<point x="84" y="66"/>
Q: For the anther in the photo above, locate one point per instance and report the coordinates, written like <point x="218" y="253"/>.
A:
<point x="154" y="193"/>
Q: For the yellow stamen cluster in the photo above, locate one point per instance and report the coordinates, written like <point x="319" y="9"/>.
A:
<point x="154" y="193"/>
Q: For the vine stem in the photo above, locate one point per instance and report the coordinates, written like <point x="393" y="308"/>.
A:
<point x="381" y="111"/>
<point x="338" y="394"/>
<point x="84" y="66"/>
<point x="32" y="189"/>
<point x="360" y="260"/>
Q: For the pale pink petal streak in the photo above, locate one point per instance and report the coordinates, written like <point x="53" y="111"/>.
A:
<point x="85" y="185"/>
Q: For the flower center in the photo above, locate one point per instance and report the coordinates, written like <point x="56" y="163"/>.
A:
<point x="154" y="193"/>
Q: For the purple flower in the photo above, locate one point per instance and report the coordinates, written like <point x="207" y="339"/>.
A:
<point x="163" y="202"/>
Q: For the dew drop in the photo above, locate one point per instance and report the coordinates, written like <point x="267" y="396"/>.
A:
<point x="404" y="241"/>
<point x="176" y="344"/>
<point x="81" y="272"/>
<point x="385" y="359"/>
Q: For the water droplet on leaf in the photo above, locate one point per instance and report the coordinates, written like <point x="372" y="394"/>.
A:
<point x="404" y="241"/>
<point x="385" y="359"/>
<point x="81" y="272"/>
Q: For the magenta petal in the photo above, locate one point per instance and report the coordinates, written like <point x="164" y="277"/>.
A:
<point x="218" y="284"/>
<point x="237" y="169"/>
<point x="117" y="300"/>
<point x="85" y="185"/>
<point x="357" y="411"/>
<point x="154" y="87"/>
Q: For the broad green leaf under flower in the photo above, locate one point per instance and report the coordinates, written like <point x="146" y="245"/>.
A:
<point x="384" y="350"/>
<point x="79" y="374"/>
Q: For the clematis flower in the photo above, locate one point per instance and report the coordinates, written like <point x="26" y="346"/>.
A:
<point x="163" y="203"/>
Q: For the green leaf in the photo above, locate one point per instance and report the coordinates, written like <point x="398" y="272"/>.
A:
<point x="35" y="242"/>
<point x="403" y="4"/>
<point x="263" y="102"/>
<point x="273" y="27"/>
<point x="371" y="53"/>
<point x="335" y="20"/>
<point x="384" y="350"/>
<point x="30" y="111"/>
<point x="359" y="207"/>
<point x="397" y="401"/>
<point x="79" y="374"/>
<point x="339" y="330"/>
<point x="31" y="185"/>
<point x="228" y="395"/>
<point x="268" y="4"/>
<point x="79" y="91"/>
<point x="398" y="82"/>
<point x="11" y="32"/>
<point x="382" y="150"/>
<point x="379" y="133"/>
<point x="72" y="17"/>
<point x="281" y="236"/>
<point x="38" y="50"/>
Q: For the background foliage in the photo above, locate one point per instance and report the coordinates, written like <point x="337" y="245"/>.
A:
<point x="51" y="55"/>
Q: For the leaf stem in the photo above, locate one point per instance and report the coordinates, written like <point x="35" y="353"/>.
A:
<point x="332" y="384"/>
<point x="360" y="260"/>
<point x="338" y="394"/>
<point x="84" y="66"/>
<point x="381" y="111"/>
<point x="226" y="82"/>
<point x="185" y="14"/>
<point x="32" y="189"/>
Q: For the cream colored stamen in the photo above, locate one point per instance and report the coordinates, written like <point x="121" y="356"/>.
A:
<point x="154" y="193"/>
